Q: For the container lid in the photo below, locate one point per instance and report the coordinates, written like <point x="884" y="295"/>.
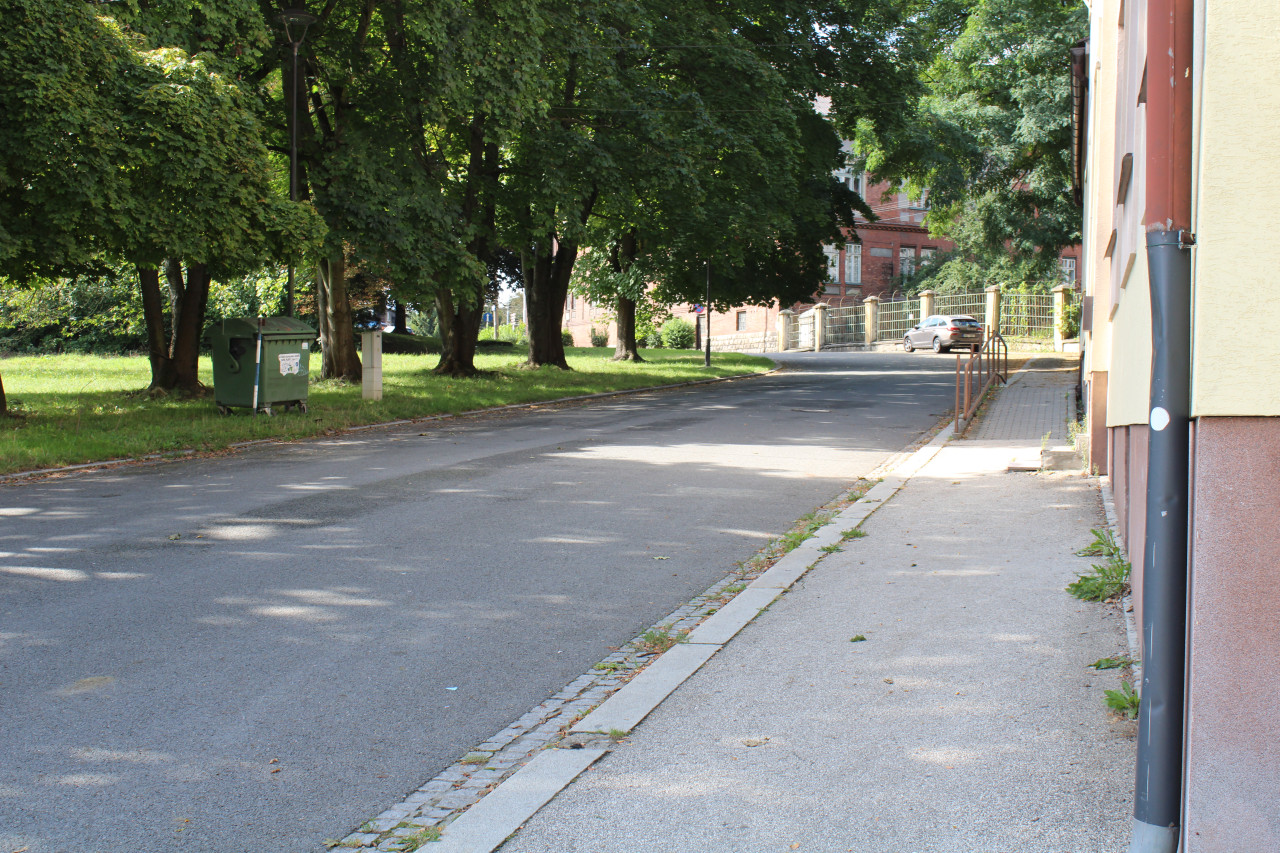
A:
<point x="270" y="326"/>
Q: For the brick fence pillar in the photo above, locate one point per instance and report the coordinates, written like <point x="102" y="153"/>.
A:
<point x="1059" y="314"/>
<point x="926" y="303"/>
<point x="784" y="329"/>
<point x="993" y="310"/>
<point x="819" y="325"/>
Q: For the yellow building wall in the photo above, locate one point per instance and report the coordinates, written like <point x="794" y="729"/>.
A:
<point x="1236" y="263"/>
<point x="1129" y="379"/>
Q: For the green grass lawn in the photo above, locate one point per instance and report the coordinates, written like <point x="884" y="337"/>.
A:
<point x="75" y="408"/>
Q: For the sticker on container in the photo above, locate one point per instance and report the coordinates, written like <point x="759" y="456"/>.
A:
<point x="289" y="363"/>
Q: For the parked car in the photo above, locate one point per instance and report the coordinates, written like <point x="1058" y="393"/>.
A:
<point x="941" y="332"/>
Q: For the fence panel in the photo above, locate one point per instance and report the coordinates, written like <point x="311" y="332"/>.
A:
<point x="973" y="304"/>
<point x="844" y="326"/>
<point x="1027" y="315"/>
<point x="804" y="331"/>
<point x="896" y="316"/>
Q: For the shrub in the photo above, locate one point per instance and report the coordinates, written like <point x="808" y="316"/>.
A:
<point x="567" y="337"/>
<point x="653" y="340"/>
<point x="677" y="334"/>
<point x="599" y="339"/>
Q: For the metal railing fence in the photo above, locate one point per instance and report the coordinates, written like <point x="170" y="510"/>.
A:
<point x="973" y="304"/>
<point x="896" y="316"/>
<point x="845" y="326"/>
<point x="1026" y="315"/>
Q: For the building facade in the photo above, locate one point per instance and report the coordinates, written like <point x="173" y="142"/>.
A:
<point x="1231" y="751"/>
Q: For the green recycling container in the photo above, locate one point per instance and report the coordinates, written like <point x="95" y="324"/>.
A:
<point x="260" y="363"/>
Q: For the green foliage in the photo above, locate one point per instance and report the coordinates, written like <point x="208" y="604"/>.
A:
<point x="1108" y="580"/>
<point x="1103" y="545"/>
<point x="599" y="339"/>
<point x="677" y="333"/>
<point x="1113" y="663"/>
<point x="990" y="135"/>
<point x="566" y="337"/>
<point x="1124" y="701"/>
<point x="1070" y="326"/>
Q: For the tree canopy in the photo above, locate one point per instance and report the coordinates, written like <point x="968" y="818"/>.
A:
<point x="988" y="136"/>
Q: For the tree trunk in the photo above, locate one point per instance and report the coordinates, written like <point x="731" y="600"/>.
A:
<point x="341" y="360"/>
<point x="459" y="330"/>
<point x="401" y="327"/>
<point x="163" y="376"/>
<point x="624" y="252"/>
<point x="627" y="348"/>
<point x="4" y="403"/>
<point x="546" y="289"/>
<point x="185" y="347"/>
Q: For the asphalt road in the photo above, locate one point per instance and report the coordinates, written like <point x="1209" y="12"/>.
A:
<point x="261" y="651"/>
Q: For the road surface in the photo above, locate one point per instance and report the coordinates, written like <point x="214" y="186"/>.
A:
<point x="260" y="651"/>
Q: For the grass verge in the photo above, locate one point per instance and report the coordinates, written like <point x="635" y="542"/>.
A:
<point x="72" y="409"/>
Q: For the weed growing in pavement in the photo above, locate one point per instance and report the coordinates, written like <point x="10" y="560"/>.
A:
<point x="853" y="533"/>
<point x="1113" y="663"/>
<point x="733" y="589"/>
<point x="858" y="638"/>
<point x="658" y="640"/>
<point x="830" y="549"/>
<point x="608" y="666"/>
<point x="1107" y="581"/>
<point x="1124" y="701"/>
<point x="617" y="735"/>
<point x="805" y="528"/>
<point x="419" y="838"/>
<point x="1103" y="544"/>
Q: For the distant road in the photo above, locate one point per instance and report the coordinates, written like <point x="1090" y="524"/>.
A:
<point x="258" y="652"/>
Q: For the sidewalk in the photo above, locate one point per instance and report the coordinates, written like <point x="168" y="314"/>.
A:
<point x="966" y="721"/>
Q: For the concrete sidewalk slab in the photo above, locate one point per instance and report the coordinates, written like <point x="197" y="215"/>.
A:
<point x="624" y="710"/>
<point x="967" y="721"/>
<point x="486" y="824"/>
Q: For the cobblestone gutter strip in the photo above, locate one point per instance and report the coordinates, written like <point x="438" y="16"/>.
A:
<point x="514" y="757"/>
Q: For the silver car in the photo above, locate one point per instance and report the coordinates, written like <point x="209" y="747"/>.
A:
<point x="941" y="332"/>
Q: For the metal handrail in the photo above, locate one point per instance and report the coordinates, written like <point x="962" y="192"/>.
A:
<point x="985" y="366"/>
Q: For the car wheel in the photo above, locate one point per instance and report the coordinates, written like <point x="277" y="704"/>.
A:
<point x="937" y="345"/>
<point x="906" y="345"/>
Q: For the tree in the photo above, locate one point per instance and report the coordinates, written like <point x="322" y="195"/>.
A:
<point x="990" y="134"/>
<point x="125" y="152"/>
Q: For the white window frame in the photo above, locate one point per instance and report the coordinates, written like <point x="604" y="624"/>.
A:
<point x="906" y="260"/>
<point x="853" y="264"/>
<point x="833" y="262"/>
<point x="1067" y="267"/>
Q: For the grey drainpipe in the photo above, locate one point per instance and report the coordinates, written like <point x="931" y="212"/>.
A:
<point x="1158" y="793"/>
<point x="1157" y="802"/>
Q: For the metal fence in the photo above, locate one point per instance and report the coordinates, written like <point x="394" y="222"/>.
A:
<point x="1026" y="315"/>
<point x="896" y="316"/>
<point x="845" y="326"/>
<point x="973" y="304"/>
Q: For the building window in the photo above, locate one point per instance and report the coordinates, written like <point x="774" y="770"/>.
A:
<point x="853" y="264"/>
<point x="906" y="260"/>
<point x="833" y="262"/>
<point x="741" y="321"/>
<point x="1068" y="266"/>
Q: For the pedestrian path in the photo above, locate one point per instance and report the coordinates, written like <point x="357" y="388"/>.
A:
<point x="1037" y="402"/>
<point x="923" y="687"/>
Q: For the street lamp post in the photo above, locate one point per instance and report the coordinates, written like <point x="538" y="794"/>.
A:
<point x="300" y="19"/>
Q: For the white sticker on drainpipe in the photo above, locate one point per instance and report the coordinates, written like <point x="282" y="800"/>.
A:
<point x="1159" y="418"/>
